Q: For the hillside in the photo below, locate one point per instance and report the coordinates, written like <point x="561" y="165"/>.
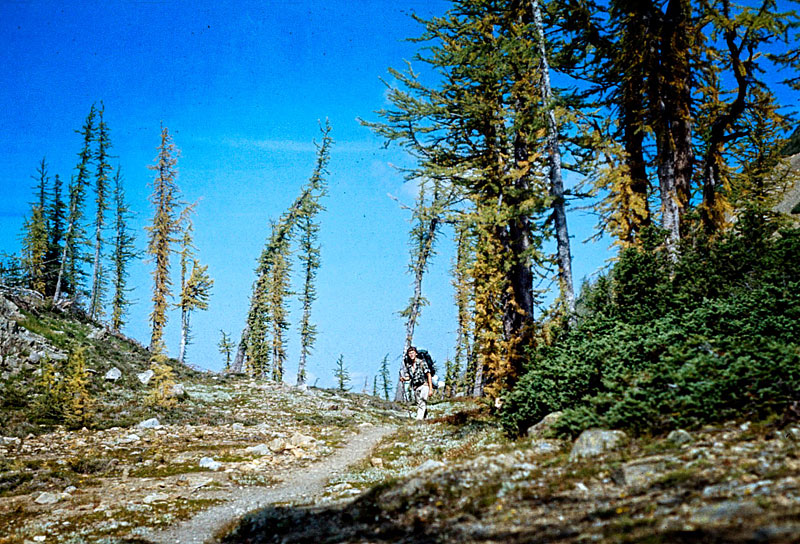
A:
<point x="301" y="461"/>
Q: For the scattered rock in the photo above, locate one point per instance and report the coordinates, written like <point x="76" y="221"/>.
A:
<point x="679" y="437"/>
<point x="210" y="464"/>
<point x="261" y="449"/>
<point x="47" y="498"/>
<point x="129" y="439"/>
<point x="545" y="446"/>
<point x="643" y="472"/>
<point x="594" y="442"/>
<point x="298" y="439"/>
<point x="237" y="427"/>
<point x="178" y="390"/>
<point x="113" y="374"/>
<point x="97" y="334"/>
<point x="428" y="465"/>
<point x="155" y="497"/>
<point x="545" y="425"/>
<point x="725" y="511"/>
<point x="277" y="445"/>
<point x="146" y="376"/>
<point x="376" y="462"/>
<point x="152" y="423"/>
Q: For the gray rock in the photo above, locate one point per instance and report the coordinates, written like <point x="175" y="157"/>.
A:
<point x="545" y="425"/>
<point x="643" y="472"/>
<point x="97" y="334"/>
<point x="178" y="390"/>
<point x="113" y="375"/>
<point x="298" y="439"/>
<point x="237" y="427"/>
<point x="155" y="497"/>
<point x="680" y="437"/>
<point x="47" y="498"/>
<point x="726" y="511"/>
<point x="594" y="442"/>
<point x="209" y="463"/>
<point x="277" y="445"/>
<point x="428" y="465"/>
<point x="261" y="449"/>
<point x="545" y="446"/>
<point x="152" y="423"/>
<point x="146" y="376"/>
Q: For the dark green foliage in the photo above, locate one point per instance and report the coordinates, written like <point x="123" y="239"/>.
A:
<point x="717" y="340"/>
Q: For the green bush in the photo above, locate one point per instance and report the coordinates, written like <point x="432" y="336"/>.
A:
<point x="717" y="339"/>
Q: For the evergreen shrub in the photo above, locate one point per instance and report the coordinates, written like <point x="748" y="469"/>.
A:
<point x="716" y="339"/>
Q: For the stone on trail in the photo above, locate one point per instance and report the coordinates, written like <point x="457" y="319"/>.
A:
<point x="152" y="423"/>
<point x="595" y="442"/>
<point x="113" y="374"/>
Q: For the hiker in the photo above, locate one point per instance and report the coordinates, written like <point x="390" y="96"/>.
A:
<point x="417" y="372"/>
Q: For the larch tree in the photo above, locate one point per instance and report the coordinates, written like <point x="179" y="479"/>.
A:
<point x="279" y="291"/>
<point x="124" y="251"/>
<point x="310" y="250"/>
<point x="101" y="157"/>
<point x="478" y="128"/>
<point x="385" y="377"/>
<point x="341" y="374"/>
<point x="70" y="271"/>
<point x="226" y="347"/>
<point x="34" y="249"/>
<point x="161" y="233"/>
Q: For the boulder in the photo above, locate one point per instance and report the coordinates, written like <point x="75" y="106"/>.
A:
<point x="595" y="442"/>
<point x="155" y="497"/>
<point x="299" y="440"/>
<point x="145" y="377"/>
<point x="261" y="449"/>
<point x="113" y="375"/>
<point x="152" y="423"/>
<point x="643" y="472"/>
<point x="544" y="426"/>
<point x="680" y="437"/>
<point x="209" y="463"/>
<point x="277" y="445"/>
<point x="47" y="498"/>
<point x="376" y="462"/>
<point x="178" y="390"/>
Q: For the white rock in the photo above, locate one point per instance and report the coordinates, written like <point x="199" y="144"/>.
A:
<point x="47" y="498"/>
<point x="145" y="376"/>
<point x="209" y="463"/>
<point x="152" y="423"/>
<point x="155" y="497"/>
<point x="376" y="462"/>
<point x="298" y="439"/>
<point x="113" y="374"/>
<point x="237" y="427"/>
<point x="71" y="489"/>
<point x="130" y="439"/>
<point x="39" y="538"/>
<point x="594" y="442"/>
<point x="261" y="449"/>
<point x="178" y="390"/>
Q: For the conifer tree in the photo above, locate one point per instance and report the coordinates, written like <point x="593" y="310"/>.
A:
<point x="78" y="402"/>
<point x="310" y="250"/>
<point x="278" y="311"/>
<point x="34" y="249"/>
<point x="341" y="374"/>
<point x="195" y="284"/>
<point x="226" y="346"/>
<point x="161" y="393"/>
<point x="56" y="213"/>
<point x="70" y="271"/>
<point x="48" y="403"/>
<point x="101" y="157"/>
<point x="123" y="253"/>
<point x="386" y="381"/>
<point x="465" y="304"/>
<point x="161" y="233"/>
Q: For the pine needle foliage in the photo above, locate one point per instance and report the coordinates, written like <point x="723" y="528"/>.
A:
<point x="123" y="253"/>
<point x="226" y="347"/>
<point x="161" y="393"/>
<point x="78" y="402"/>
<point x="385" y="377"/>
<point x="341" y="374"/>
<point x="162" y="231"/>
<point x="34" y="249"/>
<point x="102" y="180"/>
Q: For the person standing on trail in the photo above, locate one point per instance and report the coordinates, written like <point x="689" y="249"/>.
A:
<point x="416" y="371"/>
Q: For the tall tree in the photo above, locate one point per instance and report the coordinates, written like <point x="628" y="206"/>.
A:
<point x="56" y="213"/>
<point x="385" y="376"/>
<point x="310" y="250"/>
<point x="161" y="233"/>
<point x="123" y="253"/>
<point x="72" y="257"/>
<point x="101" y="157"/>
<point x="341" y="374"/>
<point x="34" y="249"/>
<point x="277" y="308"/>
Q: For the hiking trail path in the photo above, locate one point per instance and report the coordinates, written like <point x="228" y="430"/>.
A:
<point x="304" y="486"/>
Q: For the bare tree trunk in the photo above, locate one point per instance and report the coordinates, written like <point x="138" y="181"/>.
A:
<point x="556" y="181"/>
<point x="238" y="362"/>
<point x="184" y="336"/>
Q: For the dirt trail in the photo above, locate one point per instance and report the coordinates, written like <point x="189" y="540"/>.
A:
<point x="303" y="486"/>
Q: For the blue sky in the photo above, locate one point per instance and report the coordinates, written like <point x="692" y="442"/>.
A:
<point x="241" y="87"/>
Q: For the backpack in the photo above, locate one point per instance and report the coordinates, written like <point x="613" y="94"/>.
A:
<point x="425" y="356"/>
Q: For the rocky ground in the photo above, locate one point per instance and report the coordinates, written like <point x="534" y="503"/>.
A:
<point x="88" y="486"/>
<point x="735" y="483"/>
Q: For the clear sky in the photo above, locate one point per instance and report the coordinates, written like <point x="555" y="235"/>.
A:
<point x="241" y="87"/>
